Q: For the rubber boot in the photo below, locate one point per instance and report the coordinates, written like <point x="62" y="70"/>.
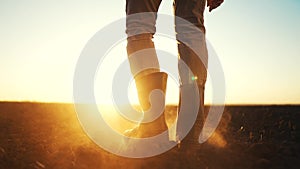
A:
<point x="190" y="141"/>
<point x="146" y="85"/>
<point x="196" y="76"/>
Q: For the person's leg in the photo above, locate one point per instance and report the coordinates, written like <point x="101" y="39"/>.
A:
<point x="191" y="34"/>
<point x="140" y="28"/>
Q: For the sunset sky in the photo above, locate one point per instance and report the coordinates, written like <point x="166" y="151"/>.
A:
<point x="257" y="42"/>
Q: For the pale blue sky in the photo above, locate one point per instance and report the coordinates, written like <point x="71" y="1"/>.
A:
<point x="257" y="42"/>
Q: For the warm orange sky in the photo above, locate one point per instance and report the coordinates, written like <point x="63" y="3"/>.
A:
<point x="257" y="42"/>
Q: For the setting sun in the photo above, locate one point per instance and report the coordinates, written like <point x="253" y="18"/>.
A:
<point x="81" y="86"/>
<point x="40" y="49"/>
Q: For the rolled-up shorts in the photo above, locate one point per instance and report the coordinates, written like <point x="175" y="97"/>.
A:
<point x="143" y="26"/>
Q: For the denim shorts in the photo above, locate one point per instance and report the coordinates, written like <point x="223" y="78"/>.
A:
<point x="190" y="10"/>
<point x="141" y="24"/>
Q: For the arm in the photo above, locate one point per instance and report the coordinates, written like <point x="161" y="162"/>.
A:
<point x="213" y="4"/>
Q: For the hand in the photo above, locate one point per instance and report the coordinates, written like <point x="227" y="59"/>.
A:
<point x="213" y="4"/>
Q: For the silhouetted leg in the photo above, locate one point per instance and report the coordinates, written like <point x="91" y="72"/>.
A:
<point x="140" y="28"/>
<point x="192" y="36"/>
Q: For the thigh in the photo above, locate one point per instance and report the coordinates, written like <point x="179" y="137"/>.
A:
<point x="191" y="10"/>
<point x="137" y="6"/>
<point x="141" y="17"/>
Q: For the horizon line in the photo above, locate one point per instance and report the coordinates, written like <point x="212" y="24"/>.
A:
<point x="172" y="104"/>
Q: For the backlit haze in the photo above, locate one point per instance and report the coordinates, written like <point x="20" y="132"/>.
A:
<point x="257" y="42"/>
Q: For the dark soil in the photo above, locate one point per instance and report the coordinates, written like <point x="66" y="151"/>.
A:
<point x="38" y="135"/>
